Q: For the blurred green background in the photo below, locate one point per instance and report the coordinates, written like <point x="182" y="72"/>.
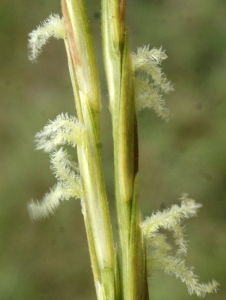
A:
<point x="49" y="259"/>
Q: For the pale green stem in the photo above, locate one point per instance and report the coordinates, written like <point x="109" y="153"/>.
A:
<point x="120" y="79"/>
<point x="83" y="71"/>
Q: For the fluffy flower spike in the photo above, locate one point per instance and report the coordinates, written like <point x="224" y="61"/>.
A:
<point x="67" y="172"/>
<point x="69" y="185"/>
<point x="63" y="130"/>
<point x="51" y="27"/>
<point x="158" y="250"/>
<point x="150" y="82"/>
<point x="47" y="206"/>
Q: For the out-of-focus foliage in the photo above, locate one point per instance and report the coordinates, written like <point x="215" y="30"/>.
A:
<point x="49" y="259"/>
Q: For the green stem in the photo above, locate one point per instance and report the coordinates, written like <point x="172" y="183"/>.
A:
<point x="120" y="78"/>
<point x="83" y="71"/>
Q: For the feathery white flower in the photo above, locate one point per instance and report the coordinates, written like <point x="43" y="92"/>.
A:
<point x="148" y="96"/>
<point x="176" y="266"/>
<point x="69" y="185"/>
<point x="158" y="249"/>
<point x="150" y="82"/>
<point x="53" y="26"/>
<point x="47" y="206"/>
<point x="170" y="218"/>
<point x="63" y="130"/>
<point x="67" y="172"/>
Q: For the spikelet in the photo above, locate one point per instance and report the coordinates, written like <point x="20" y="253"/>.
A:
<point x="150" y="82"/>
<point x="63" y="130"/>
<point x="51" y="27"/>
<point x="158" y="249"/>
